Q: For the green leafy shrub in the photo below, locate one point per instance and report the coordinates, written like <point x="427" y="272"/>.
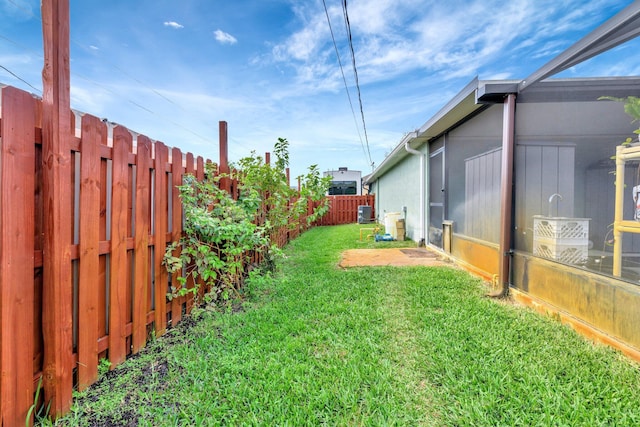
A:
<point x="218" y="237"/>
<point x="221" y="235"/>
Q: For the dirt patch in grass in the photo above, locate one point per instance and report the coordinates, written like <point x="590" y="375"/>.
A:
<point x="395" y="257"/>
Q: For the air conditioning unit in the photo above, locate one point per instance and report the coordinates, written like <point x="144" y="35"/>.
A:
<point x="364" y="214"/>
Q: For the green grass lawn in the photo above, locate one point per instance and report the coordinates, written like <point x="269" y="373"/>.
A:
<point x="319" y="345"/>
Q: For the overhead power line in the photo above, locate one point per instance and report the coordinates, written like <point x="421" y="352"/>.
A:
<point x="355" y="73"/>
<point x="104" y="87"/>
<point x="346" y="86"/>
<point x="21" y="79"/>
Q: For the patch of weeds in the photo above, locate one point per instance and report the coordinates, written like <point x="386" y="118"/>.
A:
<point x="39" y="413"/>
<point x="103" y="366"/>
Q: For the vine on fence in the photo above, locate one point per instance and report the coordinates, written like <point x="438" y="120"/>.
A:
<point x="220" y="234"/>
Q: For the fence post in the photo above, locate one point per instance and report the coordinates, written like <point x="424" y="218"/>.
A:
<point x="56" y="133"/>
<point x="223" y="167"/>
<point x="17" y="215"/>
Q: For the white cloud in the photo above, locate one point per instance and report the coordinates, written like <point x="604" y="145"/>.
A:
<point x="454" y="40"/>
<point x="224" y="38"/>
<point x="173" y="24"/>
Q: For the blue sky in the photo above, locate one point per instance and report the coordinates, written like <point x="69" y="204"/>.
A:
<point x="171" y="70"/>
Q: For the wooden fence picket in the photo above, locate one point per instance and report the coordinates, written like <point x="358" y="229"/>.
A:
<point x="189" y="169"/>
<point x="200" y="177"/>
<point x="94" y="134"/>
<point x="120" y="270"/>
<point x="141" y="245"/>
<point x="17" y="189"/>
<point x="160" y="238"/>
<point x="176" y="220"/>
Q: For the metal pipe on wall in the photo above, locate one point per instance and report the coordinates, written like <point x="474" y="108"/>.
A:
<point x="506" y="197"/>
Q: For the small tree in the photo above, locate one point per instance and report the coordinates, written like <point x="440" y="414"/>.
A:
<point x="313" y="188"/>
<point x="282" y="206"/>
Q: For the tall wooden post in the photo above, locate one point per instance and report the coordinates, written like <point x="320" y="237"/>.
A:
<point x="223" y="168"/>
<point x="56" y="134"/>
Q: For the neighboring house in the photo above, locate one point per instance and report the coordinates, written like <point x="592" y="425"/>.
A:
<point x="345" y="182"/>
<point x="514" y="180"/>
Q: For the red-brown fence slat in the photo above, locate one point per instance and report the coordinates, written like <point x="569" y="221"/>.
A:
<point x="200" y="177"/>
<point x="141" y="245"/>
<point x="176" y="224"/>
<point x="160" y="239"/>
<point x="119" y="275"/>
<point x="93" y="134"/>
<point x="103" y="273"/>
<point x="190" y="169"/>
<point x="38" y="355"/>
<point x="17" y="220"/>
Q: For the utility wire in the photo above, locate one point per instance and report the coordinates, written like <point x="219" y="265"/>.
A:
<point x="148" y="110"/>
<point x="21" y="79"/>
<point x="138" y="105"/>
<point x="355" y="73"/>
<point x="24" y="8"/>
<point x="346" y="86"/>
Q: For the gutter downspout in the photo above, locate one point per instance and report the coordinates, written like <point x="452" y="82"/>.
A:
<point x="410" y="150"/>
<point x="506" y="198"/>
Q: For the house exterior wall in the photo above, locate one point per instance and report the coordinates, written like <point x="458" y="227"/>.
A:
<point x="478" y="256"/>
<point x="347" y="176"/>
<point x="400" y="188"/>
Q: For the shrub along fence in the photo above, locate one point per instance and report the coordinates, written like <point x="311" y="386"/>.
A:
<point x="122" y="208"/>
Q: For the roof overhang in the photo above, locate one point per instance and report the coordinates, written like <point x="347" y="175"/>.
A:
<point x="622" y="27"/>
<point x="459" y="109"/>
<point x="494" y="92"/>
<point x="479" y="94"/>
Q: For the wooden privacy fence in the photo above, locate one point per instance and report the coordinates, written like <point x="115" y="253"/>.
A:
<point x="344" y="209"/>
<point x="121" y="207"/>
